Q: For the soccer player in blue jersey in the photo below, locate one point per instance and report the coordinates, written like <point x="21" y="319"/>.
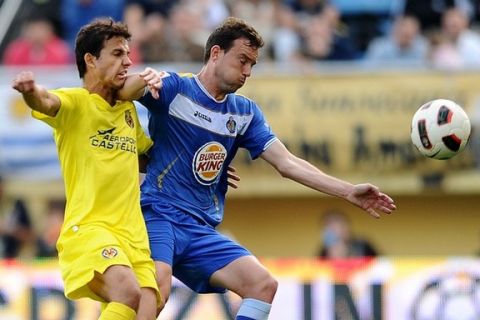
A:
<point x="197" y="126"/>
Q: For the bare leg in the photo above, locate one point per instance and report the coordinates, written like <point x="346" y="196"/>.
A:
<point x="164" y="281"/>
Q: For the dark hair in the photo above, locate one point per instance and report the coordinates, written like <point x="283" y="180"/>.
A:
<point x="91" y="39"/>
<point x="231" y="30"/>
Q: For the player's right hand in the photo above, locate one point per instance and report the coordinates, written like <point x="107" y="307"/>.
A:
<point x="24" y="82"/>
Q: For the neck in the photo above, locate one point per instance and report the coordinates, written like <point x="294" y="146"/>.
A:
<point x="95" y="86"/>
<point x="207" y="79"/>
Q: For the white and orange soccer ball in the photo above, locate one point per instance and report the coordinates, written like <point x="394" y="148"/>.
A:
<point x="440" y="129"/>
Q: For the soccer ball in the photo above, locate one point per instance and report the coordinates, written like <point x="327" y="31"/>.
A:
<point x="440" y="129"/>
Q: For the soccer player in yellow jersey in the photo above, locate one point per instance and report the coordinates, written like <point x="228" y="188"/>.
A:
<point x="103" y="247"/>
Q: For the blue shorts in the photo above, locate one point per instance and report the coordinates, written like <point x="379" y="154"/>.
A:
<point x="194" y="249"/>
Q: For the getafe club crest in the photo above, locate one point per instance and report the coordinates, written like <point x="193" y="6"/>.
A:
<point x="129" y="119"/>
<point x="109" y="253"/>
<point x="231" y="125"/>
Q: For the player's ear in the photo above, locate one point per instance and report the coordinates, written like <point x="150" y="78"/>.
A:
<point x="215" y="52"/>
<point x="89" y="60"/>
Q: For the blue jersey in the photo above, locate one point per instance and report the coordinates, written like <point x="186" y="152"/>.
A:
<point x="195" y="138"/>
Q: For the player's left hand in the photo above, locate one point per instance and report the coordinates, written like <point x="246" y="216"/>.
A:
<point x="369" y="198"/>
<point x="232" y="177"/>
<point x="153" y="80"/>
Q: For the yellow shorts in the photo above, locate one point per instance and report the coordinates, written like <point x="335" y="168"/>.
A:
<point x="91" y="249"/>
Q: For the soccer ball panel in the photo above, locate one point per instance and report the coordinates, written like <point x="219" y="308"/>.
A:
<point x="440" y="129"/>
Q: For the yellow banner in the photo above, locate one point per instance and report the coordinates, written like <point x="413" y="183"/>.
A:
<point x="358" y="125"/>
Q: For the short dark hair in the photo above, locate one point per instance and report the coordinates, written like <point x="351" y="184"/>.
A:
<point x="91" y="39"/>
<point x="231" y="30"/>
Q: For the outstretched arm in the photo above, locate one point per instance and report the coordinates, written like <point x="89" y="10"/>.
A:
<point x="36" y="96"/>
<point x="135" y="84"/>
<point x="365" y="195"/>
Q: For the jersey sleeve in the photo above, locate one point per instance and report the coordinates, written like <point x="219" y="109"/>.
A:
<point x="167" y="93"/>
<point x="67" y="103"/>
<point x="258" y="136"/>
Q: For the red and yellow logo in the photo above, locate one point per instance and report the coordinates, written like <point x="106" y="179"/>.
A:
<point x="109" y="253"/>
<point x="208" y="162"/>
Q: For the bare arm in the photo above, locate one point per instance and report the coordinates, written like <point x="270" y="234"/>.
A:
<point x="36" y="96"/>
<point x="366" y="196"/>
<point x="135" y="84"/>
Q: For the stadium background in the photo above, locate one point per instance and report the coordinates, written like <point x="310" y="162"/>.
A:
<point x="349" y="120"/>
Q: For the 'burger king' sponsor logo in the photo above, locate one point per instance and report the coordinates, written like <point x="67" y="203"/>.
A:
<point x="208" y="162"/>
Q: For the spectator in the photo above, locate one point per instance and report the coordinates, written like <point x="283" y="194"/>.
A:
<point x="286" y="41"/>
<point x="148" y="32"/>
<point x="211" y="13"/>
<point x="178" y="37"/>
<point x="260" y="13"/>
<point x="405" y="44"/>
<point x="442" y="52"/>
<point x="326" y="38"/>
<point x="428" y="12"/>
<point x="306" y="8"/>
<point x="46" y="243"/>
<point x="37" y="45"/>
<point x="161" y="7"/>
<point x="338" y="241"/>
<point x="76" y="13"/>
<point x="455" y="27"/>
<point x="16" y="231"/>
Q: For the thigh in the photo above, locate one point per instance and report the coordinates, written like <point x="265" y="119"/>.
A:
<point x="160" y="235"/>
<point x="207" y="252"/>
<point x="83" y="254"/>
<point x="241" y="274"/>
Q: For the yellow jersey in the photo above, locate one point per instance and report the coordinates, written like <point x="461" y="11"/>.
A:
<point x="98" y="147"/>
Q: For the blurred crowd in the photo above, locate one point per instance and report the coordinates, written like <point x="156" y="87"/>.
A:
<point x="440" y="33"/>
<point x="437" y="33"/>
<point x="23" y="237"/>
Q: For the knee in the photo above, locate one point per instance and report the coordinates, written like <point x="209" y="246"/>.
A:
<point x="270" y="288"/>
<point x="265" y="289"/>
<point x="128" y="294"/>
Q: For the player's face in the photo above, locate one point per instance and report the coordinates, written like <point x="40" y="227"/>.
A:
<point x="235" y="66"/>
<point x="112" y="64"/>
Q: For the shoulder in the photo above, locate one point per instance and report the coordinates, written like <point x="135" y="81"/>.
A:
<point x="72" y="92"/>
<point x="185" y="75"/>
<point x="173" y="79"/>
<point x="240" y="98"/>
<point x="244" y="103"/>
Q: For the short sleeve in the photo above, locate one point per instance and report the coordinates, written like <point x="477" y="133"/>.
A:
<point x="67" y="103"/>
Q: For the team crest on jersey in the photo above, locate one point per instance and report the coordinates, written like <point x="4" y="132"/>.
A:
<point x="109" y="253"/>
<point x="129" y="119"/>
<point x="231" y="125"/>
<point x="208" y="162"/>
